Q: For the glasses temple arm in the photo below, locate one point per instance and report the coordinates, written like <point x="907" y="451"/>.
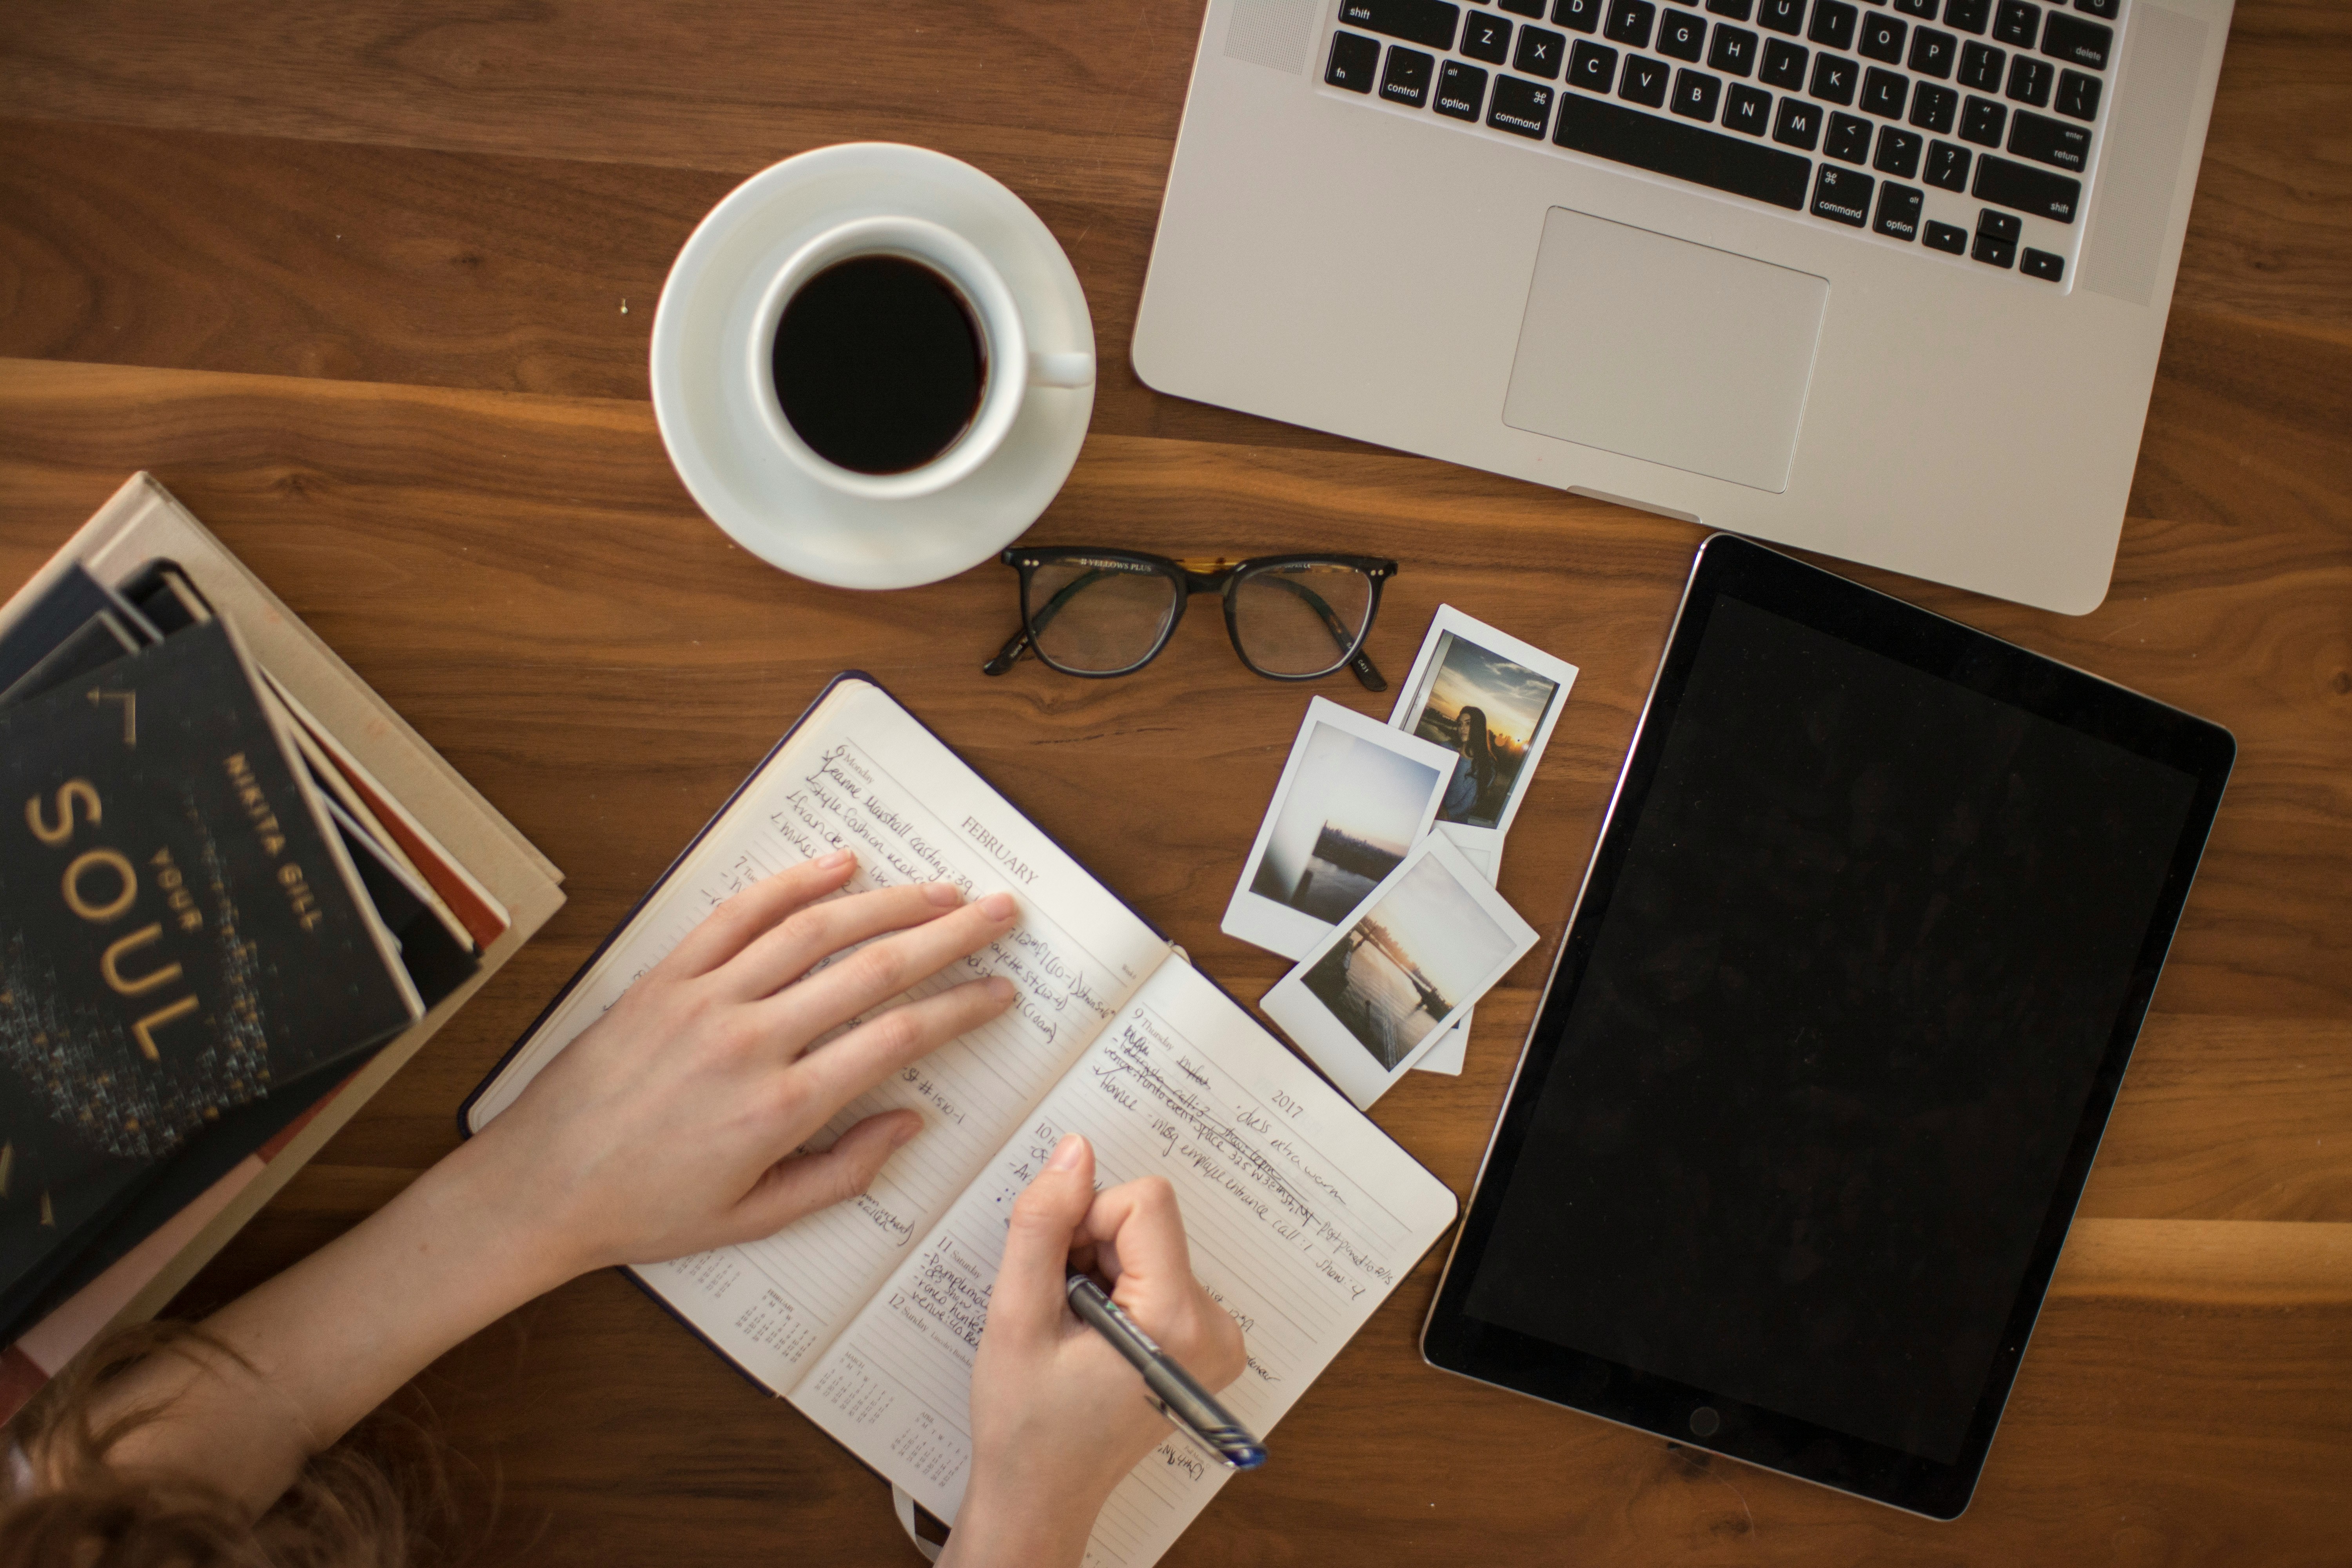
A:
<point x="1022" y="644"/>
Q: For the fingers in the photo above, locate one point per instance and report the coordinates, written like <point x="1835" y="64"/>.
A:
<point x="736" y="923"/>
<point x="1137" y="1228"/>
<point x="881" y="970"/>
<point x="815" y="932"/>
<point x="807" y="1183"/>
<point x="1026" y="1303"/>
<point x="879" y="1046"/>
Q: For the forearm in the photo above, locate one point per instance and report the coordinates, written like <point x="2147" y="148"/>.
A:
<point x="1000" y="1527"/>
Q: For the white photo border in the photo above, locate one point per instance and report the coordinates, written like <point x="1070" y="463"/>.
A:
<point x="1413" y="697"/>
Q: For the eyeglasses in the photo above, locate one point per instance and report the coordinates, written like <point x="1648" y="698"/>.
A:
<point x="1099" y="613"/>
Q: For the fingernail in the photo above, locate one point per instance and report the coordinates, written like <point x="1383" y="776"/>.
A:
<point x="907" y="1132"/>
<point x="997" y="906"/>
<point x="947" y="895"/>
<point x="1066" y="1152"/>
<point x="837" y="859"/>
<point x="1000" y="991"/>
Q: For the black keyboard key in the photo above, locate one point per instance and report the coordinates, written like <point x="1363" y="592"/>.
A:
<point x="1842" y="194"/>
<point x="1687" y="151"/>
<point x="1578" y="16"/>
<point x="2016" y="22"/>
<point x="1967" y="15"/>
<point x="1833" y="78"/>
<point x="1406" y="79"/>
<point x="1947" y="236"/>
<point x="1682" y="35"/>
<point x="2105" y="10"/>
<point x="1592" y="66"/>
<point x="1983" y="122"/>
<point x="2001" y="225"/>
<point x="1629" y="22"/>
<point x="1995" y="252"/>
<point x="1533" y="9"/>
<point x="2077" y="42"/>
<point x="1519" y="106"/>
<point x="2048" y="141"/>
<point x="1487" y="38"/>
<point x="1539" y="52"/>
<point x="1934" y="107"/>
<point x="1696" y="94"/>
<point x="1429" y="22"/>
<point x="1784" y="64"/>
<point x="1354" y="60"/>
<point x="2028" y="189"/>
<point x="1738" y="10"/>
<point x="1933" y="52"/>
<point x="1644" y="80"/>
<point x="2029" y="80"/>
<point x="1884" y="92"/>
<point x="1948" y="166"/>
<point x="1922" y="8"/>
<point x="1898" y="153"/>
<point x="1981" y="66"/>
<point x="1882" y="38"/>
<point x="1461" y="90"/>
<point x="1798" y="124"/>
<point x="1747" y="110"/>
<point x="1733" y="50"/>
<point x="2078" y="95"/>
<point x="1848" y="139"/>
<point x="1834" y="22"/>
<point x="1898" y="211"/>
<point x="2041" y="264"/>
<point x="1781" y="16"/>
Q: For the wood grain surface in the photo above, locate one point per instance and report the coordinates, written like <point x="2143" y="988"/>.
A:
<point x="368" y="286"/>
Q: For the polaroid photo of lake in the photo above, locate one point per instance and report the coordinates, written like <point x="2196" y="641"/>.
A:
<point x="1354" y="797"/>
<point x="1392" y="978"/>
<point x="1492" y="701"/>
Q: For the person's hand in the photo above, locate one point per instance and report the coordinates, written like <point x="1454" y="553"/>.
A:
<point x="1057" y="1416"/>
<point x="670" y="1125"/>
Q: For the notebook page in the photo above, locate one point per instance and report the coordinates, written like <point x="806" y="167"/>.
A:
<point x="862" y="774"/>
<point x="1302" y="1217"/>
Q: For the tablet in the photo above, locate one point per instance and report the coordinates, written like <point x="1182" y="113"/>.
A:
<point x="1844" y="1001"/>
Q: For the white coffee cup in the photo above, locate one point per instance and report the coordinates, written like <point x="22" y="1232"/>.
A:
<point x="1010" y="369"/>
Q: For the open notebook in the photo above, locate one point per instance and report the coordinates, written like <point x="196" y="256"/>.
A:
<point x="1302" y="1215"/>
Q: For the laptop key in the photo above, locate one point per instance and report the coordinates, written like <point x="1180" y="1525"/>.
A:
<point x="1644" y="81"/>
<point x="1592" y="66"/>
<point x="1534" y="8"/>
<point x="1696" y="94"/>
<point x="1520" y="106"/>
<point x="2105" y="10"/>
<point x="2040" y="192"/>
<point x="1948" y="166"/>
<point x="1747" y="110"/>
<point x="1429" y="22"/>
<point x="1898" y="211"/>
<point x="2001" y="225"/>
<point x="1733" y="50"/>
<point x="1842" y="195"/>
<point x="1924" y="8"/>
<point x="1934" y="107"/>
<point x="1967" y="15"/>
<point x="1487" y="38"/>
<point x="1738" y="10"/>
<point x="1932" y="53"/>
<point x="1539" y="52"/>
<point x="2078" y="95"/>
<point x="1833" y="78"/>
<point x="1684" y="150"/>
<point x="1781" y="16"/>
<point x="1848" y="139"/>
<point x="1629" y="22"/>
<point x="1946" y="236"/>
<point x="1884" y="92"/>
<point x="1461" y="90"/>
<point x="1798" y="124"/>
<point x="1882" y="38"/>
<point x="1834" y="22"/>
<point x="1784" y="64"/>
<point x="1354" y="59"/>
<point x="2041" y="264"/>
<point x="2048" y="141"/>
<point x="1994" y="252"/>
<point x="2029" y="80"/>
<point x="2016" y="22"/>
<point x="1898" y="153"/>
<point x="1984" y="122"/>
<point x="1582" y="16"/>
<point x="1981" y="66"/>
<point x="1406" y="79"/>
<point x="2077" y="42"/>
<point x="1682" y="35"/>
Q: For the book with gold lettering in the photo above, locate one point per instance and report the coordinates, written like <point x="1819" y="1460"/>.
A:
<point x="1303" y="1215"/>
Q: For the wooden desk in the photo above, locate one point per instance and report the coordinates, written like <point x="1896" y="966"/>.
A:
<point x="368" y="286"/>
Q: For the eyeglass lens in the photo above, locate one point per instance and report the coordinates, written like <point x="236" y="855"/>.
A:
<point x="1099" y="618"/>
<point x="1301" y="619"/>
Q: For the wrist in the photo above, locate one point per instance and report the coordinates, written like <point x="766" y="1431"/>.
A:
<point x="1006" y="1525"/>
<point x="478" y="1199"/>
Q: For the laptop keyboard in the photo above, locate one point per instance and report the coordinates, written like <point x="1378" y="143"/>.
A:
<point x="1970" y="127"/>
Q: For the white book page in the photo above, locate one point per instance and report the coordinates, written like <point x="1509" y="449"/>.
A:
<point x="862" y="774"/>
<point x="1302" y="1217"/>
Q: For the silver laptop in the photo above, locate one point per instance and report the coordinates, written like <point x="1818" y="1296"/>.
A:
<point x="1886" y="280"/>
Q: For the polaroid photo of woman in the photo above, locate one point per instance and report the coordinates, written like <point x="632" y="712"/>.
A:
<point x="1492" y="701"/>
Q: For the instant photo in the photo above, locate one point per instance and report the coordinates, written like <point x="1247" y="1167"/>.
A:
<point x="1386" y="984"/>
<point x="1354" y="798"/>
<point x="1492" y="701"/>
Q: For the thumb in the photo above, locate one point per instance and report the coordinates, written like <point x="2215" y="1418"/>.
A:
<point x="1028" y="1298"/>
<point x="807" y="1183"/>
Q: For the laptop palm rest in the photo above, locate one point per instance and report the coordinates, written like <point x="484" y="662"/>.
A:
<point x="1656" y="348"/>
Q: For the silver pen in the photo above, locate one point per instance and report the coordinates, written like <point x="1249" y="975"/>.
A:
<point x="1179" y="1398"/>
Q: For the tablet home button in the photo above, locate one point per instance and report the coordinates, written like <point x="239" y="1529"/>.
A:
<point x="1705" y="1422"/>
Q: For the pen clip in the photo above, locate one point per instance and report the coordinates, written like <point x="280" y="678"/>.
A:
<point x="1216" y="1454"/>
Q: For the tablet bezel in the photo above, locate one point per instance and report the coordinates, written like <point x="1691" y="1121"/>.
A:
<point x="1454" y="1340"/>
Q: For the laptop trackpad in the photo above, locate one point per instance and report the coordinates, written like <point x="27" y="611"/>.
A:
<point x="1657" y="348"/>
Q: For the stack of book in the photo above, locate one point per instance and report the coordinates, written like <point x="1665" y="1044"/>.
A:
<point x="237" y="893"/>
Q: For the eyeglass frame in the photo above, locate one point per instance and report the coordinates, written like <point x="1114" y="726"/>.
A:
<point x="1220" y="577"/>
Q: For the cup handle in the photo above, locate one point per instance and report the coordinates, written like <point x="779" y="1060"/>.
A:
<point x="1062" y="369"/>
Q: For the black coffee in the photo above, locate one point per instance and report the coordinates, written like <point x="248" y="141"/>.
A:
<point x="878" y="365"/>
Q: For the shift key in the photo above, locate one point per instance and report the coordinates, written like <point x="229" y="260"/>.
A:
<point x="2021" y="187"/>
<point x="1427" y="22"/>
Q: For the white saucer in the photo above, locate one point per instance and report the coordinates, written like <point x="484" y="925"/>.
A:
<point x="735" y="470"/>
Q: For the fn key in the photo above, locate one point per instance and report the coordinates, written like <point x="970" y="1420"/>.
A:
<point x="1354" y="61"/>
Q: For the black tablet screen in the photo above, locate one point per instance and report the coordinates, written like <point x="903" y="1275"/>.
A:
<point x="1860" y="965"/>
